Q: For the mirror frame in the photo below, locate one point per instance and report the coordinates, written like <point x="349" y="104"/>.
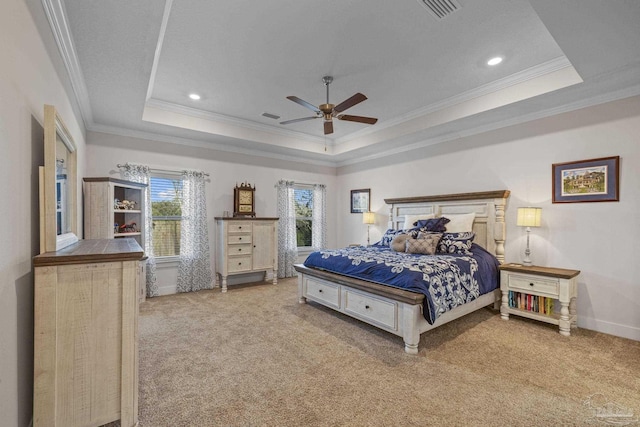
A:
<point x="50" y="241"/>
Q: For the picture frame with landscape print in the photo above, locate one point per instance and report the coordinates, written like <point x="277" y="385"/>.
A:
<point x="594" y="180"/>
<point x="360" y="200"/>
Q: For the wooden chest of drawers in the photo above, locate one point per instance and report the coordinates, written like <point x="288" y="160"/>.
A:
<point x="246" y="245"/>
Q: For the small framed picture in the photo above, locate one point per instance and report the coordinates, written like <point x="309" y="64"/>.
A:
<point x="594" y="180"/>
<point x="360" y="201"/>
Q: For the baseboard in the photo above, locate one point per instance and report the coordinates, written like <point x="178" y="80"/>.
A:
<point x="624" y="331"/>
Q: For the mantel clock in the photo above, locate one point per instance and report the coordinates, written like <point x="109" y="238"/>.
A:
<point x="244" y="200"/>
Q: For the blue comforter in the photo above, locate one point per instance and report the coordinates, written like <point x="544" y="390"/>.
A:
<point x="446" y="280"/>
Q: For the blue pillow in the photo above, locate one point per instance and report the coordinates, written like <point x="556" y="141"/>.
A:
<point x="456" y="243"/>
<point x="388" y="237"/>
<point x="434" y="224"/>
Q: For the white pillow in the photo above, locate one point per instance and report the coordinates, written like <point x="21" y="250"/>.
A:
<point x="460" y="223"/>
<point x="410" y="219"/>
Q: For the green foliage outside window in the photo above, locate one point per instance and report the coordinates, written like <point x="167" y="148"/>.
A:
<point x="303" y="202"/>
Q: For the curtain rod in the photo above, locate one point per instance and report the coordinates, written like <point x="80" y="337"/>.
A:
<point x="120" y="166"/>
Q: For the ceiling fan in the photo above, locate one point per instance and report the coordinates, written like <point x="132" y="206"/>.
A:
<point x="329" y="111"/>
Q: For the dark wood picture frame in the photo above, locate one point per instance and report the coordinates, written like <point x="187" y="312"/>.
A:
<point x="361" y="200"/>
<point x="593" y="180"/>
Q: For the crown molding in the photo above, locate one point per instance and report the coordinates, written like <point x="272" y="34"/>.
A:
<point x="565" y="108"/>
<point x="205" y="145"/>
<point x="54" y="10"/>
<point x="216" y="117"/>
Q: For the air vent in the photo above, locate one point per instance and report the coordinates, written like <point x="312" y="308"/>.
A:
<point x="271" y="116"/>
<point x="440" y="9"/>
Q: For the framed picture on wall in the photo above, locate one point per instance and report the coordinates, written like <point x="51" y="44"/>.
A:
<point x="594" y="180"/>
<point x="360" y="200"/>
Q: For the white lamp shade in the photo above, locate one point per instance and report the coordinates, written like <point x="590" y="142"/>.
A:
<point x="529" y="217"/>
<point x="368" y="218"/>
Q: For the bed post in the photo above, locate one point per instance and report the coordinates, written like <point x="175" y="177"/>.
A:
<point x="301" y="298"/>
<point x="499" y="229"/>
<point x="411" y="316"/>
<point x="391" y="218"/>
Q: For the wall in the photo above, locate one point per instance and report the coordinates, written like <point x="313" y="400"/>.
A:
<point x="105" y="151"/>
<point x="597" y="238"/>
<point x="28" y="80"/>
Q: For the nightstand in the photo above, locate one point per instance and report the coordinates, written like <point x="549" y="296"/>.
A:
<point x="531" y="291"/>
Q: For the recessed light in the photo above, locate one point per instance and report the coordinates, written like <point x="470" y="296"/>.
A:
<point x="194" y="96"/>
<point x="494" y="61"/>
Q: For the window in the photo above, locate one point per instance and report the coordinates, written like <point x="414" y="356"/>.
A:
<point x="303" y="203"/>
<point x="166" y="214"/>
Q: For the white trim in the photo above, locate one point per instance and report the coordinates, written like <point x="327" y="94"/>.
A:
<point x="54" y="9"/>
<point x="156" y="56"/>
<point x="113" y="130"/>
<point x="624" y="331"/>
<point x="216" y="117"/>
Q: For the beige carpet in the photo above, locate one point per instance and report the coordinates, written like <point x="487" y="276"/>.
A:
<point x="255" y="357"/>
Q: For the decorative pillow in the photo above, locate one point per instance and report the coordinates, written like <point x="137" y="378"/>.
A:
<point x="410" y="220"/>
<point x="388" y="236"/>
<point x="460" y="223"/>
<point x="434" y="224"/>
<point x="399" y="243"/>
<point x="426" y="244"/>
<point x="456" y="243"/>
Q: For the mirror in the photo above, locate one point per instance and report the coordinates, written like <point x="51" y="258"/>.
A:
<point x="58" y="186"/>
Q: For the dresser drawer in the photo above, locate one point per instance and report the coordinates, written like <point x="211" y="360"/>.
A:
<point x="234" y="239"/>
<point x="325" y="293"/>
<point x="373" y="309"/>
<point x="243" y="249"/>
<point x="239" y="227"/>
<point x="530" y="284"/>
<point x="239" y="263"/>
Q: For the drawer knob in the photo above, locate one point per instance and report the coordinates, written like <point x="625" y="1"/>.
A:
<point x="239" y="238"/>
<point x="240" y="228"/>
<point x="239" y="249"/>
<point x="239" y="263"/>
<point x="531" y="284"/>
<point x="366" y="307"/>
<point x="320" y="290"/>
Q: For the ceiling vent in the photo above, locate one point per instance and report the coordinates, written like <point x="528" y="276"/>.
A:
<point x="271" y="116"/>
<point x="440" y="9"/>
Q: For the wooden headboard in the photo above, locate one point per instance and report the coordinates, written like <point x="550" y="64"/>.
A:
<point x="489" y="207"/>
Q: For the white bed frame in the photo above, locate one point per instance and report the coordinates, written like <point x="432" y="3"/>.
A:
<point x="396" y="310"/>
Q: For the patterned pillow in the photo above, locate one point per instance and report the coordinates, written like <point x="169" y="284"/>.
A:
<point x="426" y="244"/>
<point x="435" y="224"/>
<point x="388" y="237"/>
<point x="399" y="243"/>
<point x="456" y="243"/>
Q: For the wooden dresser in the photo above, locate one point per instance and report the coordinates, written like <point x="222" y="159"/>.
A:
<point x="246" y="245"/>
<point x="86" y="334"/>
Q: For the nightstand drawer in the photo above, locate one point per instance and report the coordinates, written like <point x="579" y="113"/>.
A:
<point x="536" y="284"/>
<point x="240" y="238"/>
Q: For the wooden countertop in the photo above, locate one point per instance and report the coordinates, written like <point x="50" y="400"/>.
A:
<point x="90" y="251"/>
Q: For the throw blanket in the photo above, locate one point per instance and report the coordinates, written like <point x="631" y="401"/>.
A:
<point x="446" y="280"/>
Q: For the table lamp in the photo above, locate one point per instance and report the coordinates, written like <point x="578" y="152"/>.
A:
<point x="528" y="217"/>
<point x="368" y="218"/>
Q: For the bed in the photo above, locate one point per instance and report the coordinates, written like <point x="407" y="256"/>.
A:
<point x="395" y="309"/>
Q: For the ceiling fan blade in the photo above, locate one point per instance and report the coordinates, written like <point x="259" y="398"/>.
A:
<point x="328" y="128"/>
<point x="359" y="119"/>
<point x="286" y="122"/>
<point x="304" y="104"/>
<point x="348" y="103"/>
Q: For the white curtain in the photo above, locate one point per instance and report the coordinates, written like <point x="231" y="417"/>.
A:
<point x="141" y="173"/>
<point x="287" y="244"/>
<point x="319" y="220"/>
<point x="194" y="271"/>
